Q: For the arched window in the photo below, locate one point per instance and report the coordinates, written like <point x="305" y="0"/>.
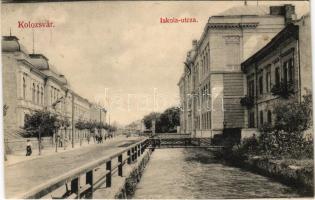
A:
<point x="277" y="76"/>
<point x="269" y="117"/>
<point x="38" y="94"/>
<point x="51" y="96"/>
<point x="24" y="88"/>
<point x="261" y="86"/>
<point x="42" y="96"/>
<point x="33" y="93"/>
<point x="261" y="117"/>
<point x="207" y="61"/>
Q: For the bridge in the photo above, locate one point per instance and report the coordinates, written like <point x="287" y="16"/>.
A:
<point x="180" y="141"/>
<point x="85" y="180"/>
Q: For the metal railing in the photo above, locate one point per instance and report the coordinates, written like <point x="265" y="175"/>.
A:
<point x="187" y="142"/>
<point x="112" y="164"/>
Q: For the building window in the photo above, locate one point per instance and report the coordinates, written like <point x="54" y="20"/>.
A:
<point x="42" y="96"/>
<point x="251" y="120"/>
<point x="261" y="117"/>
<point x="291" y="71"/>
<point x="51" y="95"/>
<point x="24" y="88"/>
<point x="268" y="78"/>
<point x="277" y="76"/>
<point x="285" y="73"/>
<point x="261" y="88"/>
<point x="33" y="93"/>
<point x="207" y="64"/>
<point x="38" y="94"/>
<point x="251" y="88"/>
<point x="209" y="119"/>
<point x="269" y="117"/>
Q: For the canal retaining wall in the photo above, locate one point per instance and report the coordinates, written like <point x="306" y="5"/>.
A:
<point x="129" y="186"/>
<point x="300" y="177"/>
<point x="124" y="187"/>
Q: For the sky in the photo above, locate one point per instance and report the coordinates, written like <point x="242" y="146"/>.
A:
<point x="118" y="54"/>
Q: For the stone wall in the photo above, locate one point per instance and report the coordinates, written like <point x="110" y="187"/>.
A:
<point x="133" y="178"/>
<point x="300" y="177"/>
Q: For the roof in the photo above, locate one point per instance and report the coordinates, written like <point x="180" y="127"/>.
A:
<point x="39" y="61"/>
<point x="289" y="31"/>
<point x="10" y="44"/>
<point x="245" y="10"/>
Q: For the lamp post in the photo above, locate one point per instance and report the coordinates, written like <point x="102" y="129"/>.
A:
<point x="39" y="141"/>
<point x="56" y="125"/>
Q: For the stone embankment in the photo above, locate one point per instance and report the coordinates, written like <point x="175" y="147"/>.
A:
<point x="300" y="176"/>
<point x="124" y="187"/>
<point x="296" y="173"/>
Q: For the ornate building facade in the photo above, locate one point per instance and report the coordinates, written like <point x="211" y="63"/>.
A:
<point x="31" y="83"/>
<point x="213" y="83"/>
<point x="283" y="63"/>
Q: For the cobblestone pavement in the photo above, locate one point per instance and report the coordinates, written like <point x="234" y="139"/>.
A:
<point x="22" y="176"/>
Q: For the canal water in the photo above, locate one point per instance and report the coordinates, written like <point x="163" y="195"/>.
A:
<point x="195" y="174"/>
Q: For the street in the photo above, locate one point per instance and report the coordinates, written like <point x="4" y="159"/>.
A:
<point x="22" y="176"/>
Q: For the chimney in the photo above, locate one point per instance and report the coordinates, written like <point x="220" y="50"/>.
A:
<point x="287" y="11"/>
<point x="194" y="44"/>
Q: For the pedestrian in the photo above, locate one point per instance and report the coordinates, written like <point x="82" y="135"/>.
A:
<point x="88" y="138"/>
<point x="101" y="138"/>
<point x="28" y="148"/>
<point x="65" y="143"/>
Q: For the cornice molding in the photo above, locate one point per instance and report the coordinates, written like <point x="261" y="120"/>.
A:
<point x="249" y="25"/>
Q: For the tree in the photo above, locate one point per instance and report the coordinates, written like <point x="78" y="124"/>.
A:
<point x="148" y="119"/>
<point x="40" y="123"/>
<point x="112" y="128"/>
<point x="80" y="125"/>
<point x="168" y="120"/>
<point x="286" y="136"/>
<point x="283" y="89"/>
<point x="294" y="116"/>
<point x="165" y="122"/>
<point x="247" y="101"/>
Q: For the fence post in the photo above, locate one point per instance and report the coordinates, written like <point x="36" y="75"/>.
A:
<point x="120" y="166"/>
<point x="75" y="186"/>
<point x="89" y="180"/>
<point x="129" y="157"/>
<point x="109" y="174"/>
<point x="142" y="148"/>
<point x="136" y="153"/>
<point x="139" y="150"/>
<point x="132" y="154"/>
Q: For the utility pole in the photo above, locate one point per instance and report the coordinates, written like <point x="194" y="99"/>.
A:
<point x="33" y="42"/>
<point x="109" y="119"/>
<point x="72" y="121"/>
<point x="39" y="141"/>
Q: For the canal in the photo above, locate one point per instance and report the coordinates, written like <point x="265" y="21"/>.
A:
<point x="195" y="174"/>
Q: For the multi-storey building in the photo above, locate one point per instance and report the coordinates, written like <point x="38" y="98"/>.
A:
<point x="31" y="83"/>
<point x="283" y="63"/>
<point x="213" y="83"/>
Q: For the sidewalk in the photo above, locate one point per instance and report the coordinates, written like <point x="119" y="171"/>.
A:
<point x="23" y="174"/>
<point x="20" y="156"/>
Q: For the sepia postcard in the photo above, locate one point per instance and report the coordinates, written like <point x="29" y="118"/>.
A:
<point x="156" y="99"/>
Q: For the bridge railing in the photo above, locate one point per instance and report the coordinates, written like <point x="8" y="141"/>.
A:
<point x="188" y="142"/>
<point x="112" y="164"/>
